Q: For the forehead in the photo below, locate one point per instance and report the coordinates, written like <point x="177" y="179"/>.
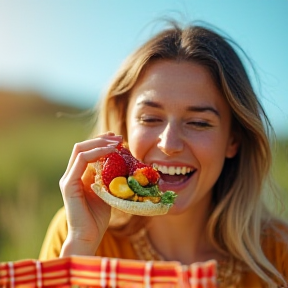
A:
<point x="177" y="83"/>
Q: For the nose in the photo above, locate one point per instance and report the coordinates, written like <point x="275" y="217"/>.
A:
<point x="170" y="140"/>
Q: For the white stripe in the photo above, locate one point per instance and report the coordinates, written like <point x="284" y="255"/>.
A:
<point x="213" y="279"/>
<point x="194" y="281"/>
<point x="113" y="274"/>
<point x="182" y="272"/>
<point x="147" y="275"/>
<point x="204" y="281"/>
<point x="104" y="262"/>
<point x="11" y="274"/>
<point x="39" y="274"/>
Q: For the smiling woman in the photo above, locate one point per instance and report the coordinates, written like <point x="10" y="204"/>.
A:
<point x="166" y="131"/>
<point x="185" y="105"/>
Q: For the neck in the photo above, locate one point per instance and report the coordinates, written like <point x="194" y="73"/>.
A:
<point x="183" y="237"/>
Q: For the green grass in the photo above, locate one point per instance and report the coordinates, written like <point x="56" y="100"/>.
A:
<point x="280" y="175"/>
<point x="33" y="157"/>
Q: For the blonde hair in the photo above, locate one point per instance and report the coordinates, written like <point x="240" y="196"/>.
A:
<point x="236" y="223"/>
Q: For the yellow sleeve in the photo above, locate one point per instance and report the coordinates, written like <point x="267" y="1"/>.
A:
<point x="55" y="236"/>
<point x="116" y="247"/>
<point x="275" y="247"/>
<point x="284" y="261"/>
<point x="111" y="245"/>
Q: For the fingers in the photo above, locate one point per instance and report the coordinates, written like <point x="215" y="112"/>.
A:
<point x="87" y="215"/>
<point x="100" y="141"/>
<point x="90" y="145"/>
<point x="83" y="153"/>
<point x="83" y="158"/>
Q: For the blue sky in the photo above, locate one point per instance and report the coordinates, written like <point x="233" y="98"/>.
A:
<point x="69" y="50"/>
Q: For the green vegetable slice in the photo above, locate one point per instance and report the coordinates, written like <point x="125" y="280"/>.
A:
<point x="153" y="191"/>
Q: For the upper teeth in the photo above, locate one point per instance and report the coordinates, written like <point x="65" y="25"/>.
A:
<point x="172" y="170"/>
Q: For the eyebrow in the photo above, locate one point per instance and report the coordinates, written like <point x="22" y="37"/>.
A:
<point x="203" y="109"/>
<point x="150" y="104"/>
<point x="200" y="109"/>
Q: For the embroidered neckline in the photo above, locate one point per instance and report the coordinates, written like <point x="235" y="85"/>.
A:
<point x="229" y="271"/>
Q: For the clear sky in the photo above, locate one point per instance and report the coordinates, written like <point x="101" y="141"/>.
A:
<point x="69" y="50"/>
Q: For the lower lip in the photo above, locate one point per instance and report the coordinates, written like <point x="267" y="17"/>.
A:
<point x="177" y="186"/>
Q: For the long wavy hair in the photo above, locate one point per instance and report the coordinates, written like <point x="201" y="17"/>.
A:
<point x="238" y="217"/>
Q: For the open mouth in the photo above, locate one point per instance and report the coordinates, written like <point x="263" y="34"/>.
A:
<point x="174" y="175"/>
<point x="173" y="179"/>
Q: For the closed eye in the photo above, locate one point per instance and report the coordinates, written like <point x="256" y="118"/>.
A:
<point x="200" y="124"/>
<point x="149" y="120"/>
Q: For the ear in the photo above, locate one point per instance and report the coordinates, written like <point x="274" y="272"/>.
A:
<point x="233" y="145"/>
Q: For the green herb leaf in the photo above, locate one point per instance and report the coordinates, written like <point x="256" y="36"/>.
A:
<point x="168" y="197"/>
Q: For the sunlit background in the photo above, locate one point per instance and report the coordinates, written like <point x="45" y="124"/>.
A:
<point x="59" y="56"/>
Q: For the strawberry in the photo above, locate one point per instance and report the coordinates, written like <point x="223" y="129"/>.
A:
<point x="114" y="166"/>
<point x="123" y="149"/>
<point x="131" y="162"/>
<point x="151" y="174"/>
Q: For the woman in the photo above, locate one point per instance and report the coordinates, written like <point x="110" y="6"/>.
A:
<point x="183" y="99"/>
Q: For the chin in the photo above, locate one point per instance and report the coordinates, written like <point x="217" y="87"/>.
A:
<point x="179" y="208"/>
<point x="190" y="203"/>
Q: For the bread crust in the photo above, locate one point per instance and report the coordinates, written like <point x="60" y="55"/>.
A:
<point x="146" y="208"/>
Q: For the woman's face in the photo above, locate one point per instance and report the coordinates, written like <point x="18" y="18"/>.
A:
<point x="178" y="121"/>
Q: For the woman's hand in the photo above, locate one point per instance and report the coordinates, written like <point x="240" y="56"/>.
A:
<point x="87" y="215"/>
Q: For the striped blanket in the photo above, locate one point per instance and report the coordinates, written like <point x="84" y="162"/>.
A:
<point x="78" y="271"/>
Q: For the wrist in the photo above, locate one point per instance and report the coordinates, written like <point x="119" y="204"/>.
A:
<point x="72" y="246"/>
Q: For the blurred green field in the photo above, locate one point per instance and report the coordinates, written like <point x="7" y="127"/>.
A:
<point x="34" y="154"/>
<point x="280" y="175"/>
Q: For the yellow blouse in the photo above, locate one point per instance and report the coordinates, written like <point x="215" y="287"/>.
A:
<point x="139" y="248"/>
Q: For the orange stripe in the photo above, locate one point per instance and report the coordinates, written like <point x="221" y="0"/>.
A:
<point x="55" y="274"/>
<point x="86" y="271"/>
<point x="60" y="281"/>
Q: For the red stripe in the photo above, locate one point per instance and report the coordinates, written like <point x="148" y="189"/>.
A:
<point x="64" y="275"/>
<point x="163" y="273"/>
<point x="125" y="269"/>
<point x="87" y="267"/>
<point x="119" y="269"/>
<point x="21" y="282"/>
<point x="55" y="268"/>
<point x="23" y="263"/>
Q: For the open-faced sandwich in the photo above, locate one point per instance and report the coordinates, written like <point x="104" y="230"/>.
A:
<point x="129" y="185"/>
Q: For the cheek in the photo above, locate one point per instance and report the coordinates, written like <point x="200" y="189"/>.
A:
<point x="209" y="149"/>
<point x="212" y="143"/>
<point x="140" y="140"/>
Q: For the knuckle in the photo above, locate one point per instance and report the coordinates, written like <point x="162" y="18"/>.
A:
<point x="81" y="156"/>
<point x="63" y="183"/>
<point x="77" y="147"/>
<point x="64" y="188"/>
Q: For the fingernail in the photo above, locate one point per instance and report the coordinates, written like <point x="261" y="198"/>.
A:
<point x="109" y="133"/>
<point x="120" y="137"/>
<point x="113" y="144"/>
